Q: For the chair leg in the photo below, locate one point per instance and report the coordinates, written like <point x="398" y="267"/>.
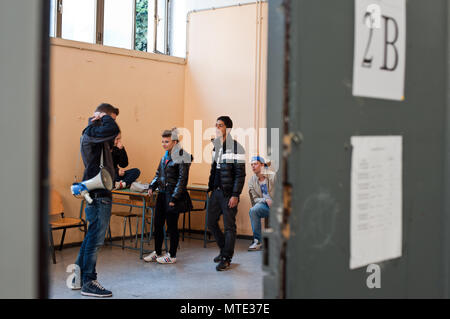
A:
<point x="136" y="236"/>
<point x="62" y="239"/>
<point x="189" y="215"/>
<point x="52" y="246"/>
<point x="109" y="232"/>
<point x="145" y="232"/>
<point x="129" y="228"/>
<point x="124" y="229"/>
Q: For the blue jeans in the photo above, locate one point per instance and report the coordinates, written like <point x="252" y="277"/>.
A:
<point x="260" y="210"/>
<point x="98" y="215"/>
<point x="129" y="177"/>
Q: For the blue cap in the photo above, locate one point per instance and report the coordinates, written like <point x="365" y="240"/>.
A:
<point x="258" y="159"/>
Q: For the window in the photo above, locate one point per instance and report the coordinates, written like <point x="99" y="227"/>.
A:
<point x="118" y="28"/>
<point x="129" y="24"/>
<point x="78" y="20"/>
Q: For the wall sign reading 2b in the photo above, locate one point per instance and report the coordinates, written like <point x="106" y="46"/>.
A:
<point x="379" y="56"/>
<point x="372" y="17"/>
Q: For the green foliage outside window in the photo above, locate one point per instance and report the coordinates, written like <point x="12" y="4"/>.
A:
<point x="141" y="25"/>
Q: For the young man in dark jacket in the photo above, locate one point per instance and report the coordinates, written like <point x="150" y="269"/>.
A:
<point x="171" y="180"/>
<point x="97" y="139"/>
<point x="226" y="180"/>
<point x="124" y="178"/>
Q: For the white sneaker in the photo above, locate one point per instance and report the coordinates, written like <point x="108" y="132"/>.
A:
<point x="120" y="185"/>
<point x="166" y="259"/>
<point x="152" y="257"/>
<point x="256" y="245"/>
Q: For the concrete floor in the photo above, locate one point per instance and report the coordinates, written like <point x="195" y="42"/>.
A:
<point x="193" y="276"/>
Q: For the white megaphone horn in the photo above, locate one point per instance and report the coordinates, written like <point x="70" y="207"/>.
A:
<point x="103" y="180"/>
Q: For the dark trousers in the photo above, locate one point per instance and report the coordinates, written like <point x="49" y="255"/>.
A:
<point x="218" y="205"/>
<point x="163" y="213"/>
<point x="129" y="177"/>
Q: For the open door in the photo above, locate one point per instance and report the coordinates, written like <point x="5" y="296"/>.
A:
<point x="310" y="97"/>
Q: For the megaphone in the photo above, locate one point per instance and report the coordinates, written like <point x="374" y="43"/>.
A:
<point x="103" y="180"/>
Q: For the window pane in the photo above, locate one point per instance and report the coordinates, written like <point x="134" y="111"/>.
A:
<point x="142" y="21"/>
<point x="78" y="20"/>
<point x="151" y="26"/>
<point x="161" y="28"/>
<point x="52" y="17"/>
<point x="177" y="33"/>
<point x="118" y="23"/>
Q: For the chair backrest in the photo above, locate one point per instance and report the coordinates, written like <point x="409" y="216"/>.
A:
<point x="56" y="205"/>
<point x="197" y="194"/>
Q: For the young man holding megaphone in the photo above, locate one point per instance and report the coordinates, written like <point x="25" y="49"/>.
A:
<point x="96" y="143"/>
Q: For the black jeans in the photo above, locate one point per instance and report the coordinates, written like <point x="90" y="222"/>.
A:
<point x="218" y="205"/>
<point x="164" y="212"/>
<point x="129" y="177"/>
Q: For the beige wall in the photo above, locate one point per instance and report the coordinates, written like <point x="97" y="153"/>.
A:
<point x="148" y="93"/>
<point x="224" y="75"/>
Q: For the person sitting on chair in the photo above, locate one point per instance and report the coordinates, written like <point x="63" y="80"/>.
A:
<point x="124" y="178"/>
<point x="261" y="189"/>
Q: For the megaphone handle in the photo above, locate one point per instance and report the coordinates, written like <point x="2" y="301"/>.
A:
<point x="88" y="198"/>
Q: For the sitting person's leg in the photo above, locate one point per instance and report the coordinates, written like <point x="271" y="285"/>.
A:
<point x="260" y="210"/>
<point x="131" y="176"/>
<point x="128" y="177"/>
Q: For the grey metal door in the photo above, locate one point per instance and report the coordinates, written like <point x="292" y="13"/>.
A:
<point x="310" y="99"/>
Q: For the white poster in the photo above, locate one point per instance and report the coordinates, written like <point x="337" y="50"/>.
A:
<point x="376" y="200"/>
<point x="379" y="49"/>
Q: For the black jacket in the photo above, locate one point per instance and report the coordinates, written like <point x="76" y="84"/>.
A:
<point x="96" y="138"/>
<point x="232" y="166"/>
<point x="172" y="177"/>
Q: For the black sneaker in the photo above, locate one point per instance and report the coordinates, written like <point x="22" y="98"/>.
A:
<point x="94" y="289"/>
<point x="224" y="264"/>
<point x="218" y="258"/>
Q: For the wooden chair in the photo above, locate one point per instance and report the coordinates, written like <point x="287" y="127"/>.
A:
<point x="58" y="221"/>
<point x="126" y="215"/>
<point x="196" y="197"/>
